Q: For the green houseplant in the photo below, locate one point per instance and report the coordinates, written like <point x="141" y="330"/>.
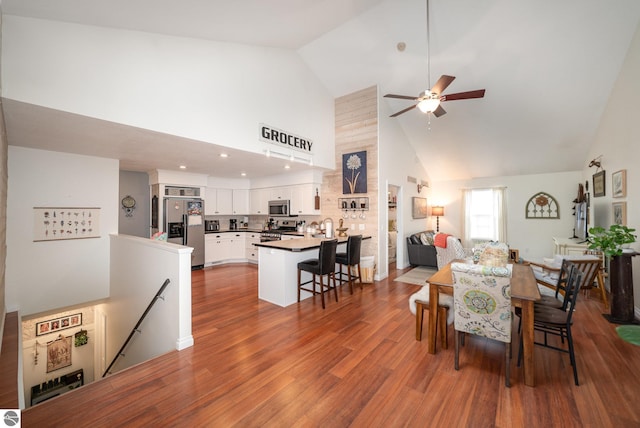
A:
<point x="611" y="241"/>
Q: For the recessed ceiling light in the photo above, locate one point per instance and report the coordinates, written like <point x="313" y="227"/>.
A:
<point x="401" y="46"/>
<point x="224" y="155"/>
<point x="244" y="174"/>
<point x="287" y="167"/>
<point x="183" y="167"/>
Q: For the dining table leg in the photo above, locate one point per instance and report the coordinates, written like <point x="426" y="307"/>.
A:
<point x="433" y="317"/>
<point x="527" y="342"/>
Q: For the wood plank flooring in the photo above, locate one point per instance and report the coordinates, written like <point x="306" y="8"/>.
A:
<point x="357" y="363"/>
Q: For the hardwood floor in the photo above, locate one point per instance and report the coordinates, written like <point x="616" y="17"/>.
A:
<point x="357" y="363"/>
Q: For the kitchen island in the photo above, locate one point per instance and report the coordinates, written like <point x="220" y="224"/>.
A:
<point x="278" y="267"/>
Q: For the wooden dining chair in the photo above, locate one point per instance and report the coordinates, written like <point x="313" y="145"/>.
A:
<point x="482" y="304"/>
<point x="558" y="322"/>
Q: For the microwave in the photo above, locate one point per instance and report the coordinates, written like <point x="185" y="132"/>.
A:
<point x="279" y="208"/>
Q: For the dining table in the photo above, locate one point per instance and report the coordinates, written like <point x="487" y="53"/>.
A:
<point x="524" y="292"/>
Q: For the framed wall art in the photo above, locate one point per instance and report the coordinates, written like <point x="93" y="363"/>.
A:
<point x="620" y="213"/>
<point x="619" y="184"/>
<point x="56" y="223"/>
<point x="59" y="353"/>
<point x="598" y="184"/>
<point x="57" y="324"/>
<point x="354" y="173"/>
<point x="419" y="207"/>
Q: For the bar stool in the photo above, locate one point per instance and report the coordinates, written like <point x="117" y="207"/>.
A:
<point x="325" y="264"/>
<point x="350" y="258"/>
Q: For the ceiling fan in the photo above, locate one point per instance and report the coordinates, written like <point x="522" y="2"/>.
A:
<point x="429" y="100"/>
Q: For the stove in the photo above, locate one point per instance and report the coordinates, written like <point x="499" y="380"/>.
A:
<point x="276" y="234"/>
<point x="270" y="235"/>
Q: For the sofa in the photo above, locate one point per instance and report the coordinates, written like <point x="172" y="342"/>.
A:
<point x="421" y="250"/>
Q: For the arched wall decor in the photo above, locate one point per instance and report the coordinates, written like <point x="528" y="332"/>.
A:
<point x="542" y="205"/>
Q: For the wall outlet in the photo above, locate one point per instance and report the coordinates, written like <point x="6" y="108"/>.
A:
<point x="361" y="227"/>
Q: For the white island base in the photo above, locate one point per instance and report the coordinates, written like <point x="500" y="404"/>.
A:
<point x="278" y="273"/>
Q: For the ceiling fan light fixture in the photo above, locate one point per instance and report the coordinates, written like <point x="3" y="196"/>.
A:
<point x="429" y="105"/>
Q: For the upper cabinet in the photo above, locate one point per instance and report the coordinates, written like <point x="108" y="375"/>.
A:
<point x="226" y="201"/>
<point x="259" y="201"/>
<point x="218" y="201"/>
<point x="303" y="198"/>
<point x="241" y="201"/>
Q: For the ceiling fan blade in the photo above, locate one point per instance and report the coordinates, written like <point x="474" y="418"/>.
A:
<point x="403" y="111"/>
<point x="439" y="111"/>
<point x="442" y="84"/>
<point x="463" y="95"/>
<point x="402" y="97"/>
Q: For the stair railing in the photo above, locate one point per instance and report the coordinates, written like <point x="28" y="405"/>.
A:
<point x="136" y="328"/>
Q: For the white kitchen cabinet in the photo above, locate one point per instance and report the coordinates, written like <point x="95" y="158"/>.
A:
<point x="303" y="199"/>
<point x="236" y="246"/>
<point x="259" y="201"/>
<point x="251" y="251"/>
<point x="280" y="193"/>
<point x="241" y="201"/>
<point x="218" y="201"/>
<point x="216" y="247"/>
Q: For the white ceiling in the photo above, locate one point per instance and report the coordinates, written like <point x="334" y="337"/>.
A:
<point x="548" y="68"/>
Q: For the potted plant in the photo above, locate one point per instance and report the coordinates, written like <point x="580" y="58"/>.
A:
<point x="611" y="242"/>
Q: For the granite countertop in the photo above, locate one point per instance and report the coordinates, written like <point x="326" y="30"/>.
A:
<point x="296" y="245"/>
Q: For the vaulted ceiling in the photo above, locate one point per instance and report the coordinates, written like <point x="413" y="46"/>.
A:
<point x="548" y="68"/>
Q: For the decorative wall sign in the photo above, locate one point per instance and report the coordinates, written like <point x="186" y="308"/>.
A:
<point x="419" y="207"/>
<point x="55" y="223"/>
<point x="619" y="184"/>
<point x="620" y="213"/>
<point x="598" y="184"/>
<point x="354" y="173"/>
<point x="59" y="353"/>
<point x="542" y="205"/>
<point x="56" y="324"/>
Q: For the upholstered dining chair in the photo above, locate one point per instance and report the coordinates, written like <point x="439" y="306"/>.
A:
<point x="351" y="259"/>
<point x="558" y="322"/>
<point x="324" y="265"/>
<point x="482" y="302"/>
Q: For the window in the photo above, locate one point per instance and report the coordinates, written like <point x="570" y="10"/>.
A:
<point x="484" y="215"/>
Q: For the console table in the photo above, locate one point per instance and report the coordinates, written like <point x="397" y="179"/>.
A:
<point x="569" y="246"/>
<point x="55" y="387"/>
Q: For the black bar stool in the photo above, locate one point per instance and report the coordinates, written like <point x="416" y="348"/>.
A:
<point x="325" y="264"/>
<point x="350" y="258"/>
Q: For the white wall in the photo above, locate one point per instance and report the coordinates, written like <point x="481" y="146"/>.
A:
<point x="532" y="237"/>
<point x="618" y="142"/>
<point x="139" y="267"/>
<point x="45" y="275"/>
<point x="208" y="91"/>
<point x="397" y="161"/>
<point x="136" y="185"/>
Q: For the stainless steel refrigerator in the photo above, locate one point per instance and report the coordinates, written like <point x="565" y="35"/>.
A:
<point x="184" y="224"/>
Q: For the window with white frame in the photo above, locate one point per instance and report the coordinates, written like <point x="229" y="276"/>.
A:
<point x="485" y="217"/>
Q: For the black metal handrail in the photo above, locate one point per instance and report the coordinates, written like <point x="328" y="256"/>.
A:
<point x="135" y="329"/>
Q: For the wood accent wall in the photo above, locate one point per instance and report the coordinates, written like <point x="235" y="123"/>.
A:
<point x="356" y="130"/>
